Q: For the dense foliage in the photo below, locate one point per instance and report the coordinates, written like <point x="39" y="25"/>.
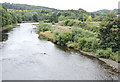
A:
<point x="110" y="33"/>
<point x="24" y="6"/>
<point x="22" y="12"/>
<point x="44" y="27"/>
<point x="7" y="17"/>
<point x="101" y="38"/>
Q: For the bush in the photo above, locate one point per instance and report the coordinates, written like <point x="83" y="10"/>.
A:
<point x="54" y="18"/>
<point x="66" y="22"/>
<point x="61" y="18"/>
<point x="104" y="53"/>
<point x="110" y="32"/>
<point x="93" y="26"/>
<point x="71" y="44"/>
<point x="115" y="56"/>
<point x="100" y="53"/>
<point x="69" y="23"/>
<point x="81" y="43"/>
<point x="79" y="32"/>
<point x="62" y="37"/>
<point x="53" y="23"/>
<point x="81" y="24"/>
<point x="43" y="27"/>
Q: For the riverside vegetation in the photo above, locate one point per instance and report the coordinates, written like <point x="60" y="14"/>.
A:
<point x="101" y="38"/>
<point x="94" y="32"/>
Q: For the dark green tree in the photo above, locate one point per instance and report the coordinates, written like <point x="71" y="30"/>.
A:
<point x="110" y="32"/>
<point x="54" y="18"/>
<point x="35" y="17"/>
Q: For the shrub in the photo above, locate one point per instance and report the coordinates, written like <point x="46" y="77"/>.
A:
<point x="115" y="56"/>
<point x="53" y="22"/>
<point x="62" y="37"/>
<point x="81" y="43"/>
<point x="104" y="53"/>
<point x="43" y="27"/>
<point x="66" y="22"/>
<point x="79" y="32"/>
<point x="81" y="24"/>
<point x="69" y="22"/>
<point x="110" y="32"/>
<point x="71" y="44"/>
<point x="54" y="18"/>
<point x="100" y="53"/>
<point x="61" y="18"/>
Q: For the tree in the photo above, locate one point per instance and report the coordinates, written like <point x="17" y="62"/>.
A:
<point x="62" y="37"/>
<point x="110" y="32"/>
<point x="90" y="18"/>
<point x="35" y="17"/>
<point x="19" y="19"/>
<point x="81" y="18"/>
<point x="54" y="18"/>
<point x="14" y="18"/>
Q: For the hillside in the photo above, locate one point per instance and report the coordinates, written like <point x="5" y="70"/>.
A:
<point x="31" y="7"/>
<point x="24" y="7"/>
<point x="107" y="11"/>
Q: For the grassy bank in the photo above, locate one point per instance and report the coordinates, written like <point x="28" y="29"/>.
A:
<point x="7" y="27"/>
<point x="47" y="35"/>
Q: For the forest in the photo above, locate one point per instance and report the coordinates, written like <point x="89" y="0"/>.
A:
<point x="96" y="32"/>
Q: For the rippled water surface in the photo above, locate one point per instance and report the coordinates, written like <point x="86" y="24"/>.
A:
<point x="26" y="57"/>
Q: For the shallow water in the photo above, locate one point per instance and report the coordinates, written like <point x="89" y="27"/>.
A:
<point x="26" y="57"/>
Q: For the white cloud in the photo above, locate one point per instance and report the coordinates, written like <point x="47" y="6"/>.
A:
<point x="89" y="5"/>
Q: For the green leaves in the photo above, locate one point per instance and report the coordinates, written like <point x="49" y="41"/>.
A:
<point x="110" y="32"/>
<point x="44" y="27"/>
<point x="62" y="37"/>
<point x="53" y="18"/>
<point x="35" y="17"/>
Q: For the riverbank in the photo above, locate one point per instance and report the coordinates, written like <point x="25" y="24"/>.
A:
<point x="7" y="27"/>
<point x="108" y="62"/>
<point x="48" y="35"/>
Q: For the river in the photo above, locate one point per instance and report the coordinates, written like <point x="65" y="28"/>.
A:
<point x="26" y="57"/>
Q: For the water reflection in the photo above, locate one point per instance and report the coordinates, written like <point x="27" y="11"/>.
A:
<point x="4" y="34"/>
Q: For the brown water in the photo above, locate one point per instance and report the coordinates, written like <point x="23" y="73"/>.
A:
<point x="26" y="57"/>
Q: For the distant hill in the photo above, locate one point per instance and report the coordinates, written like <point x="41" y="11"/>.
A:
<point x="25" y="6"/>
<point x="107" y="11"/>
<point x="30" y="7"/>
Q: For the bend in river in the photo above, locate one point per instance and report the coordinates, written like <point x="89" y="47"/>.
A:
<point x="26" y="57"/>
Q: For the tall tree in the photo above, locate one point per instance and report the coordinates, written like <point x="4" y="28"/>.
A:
<point x="35" y="17"/>
<point x="110" y="32"/>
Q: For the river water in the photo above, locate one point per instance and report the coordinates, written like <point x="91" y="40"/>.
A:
<point x="26" y="57"/>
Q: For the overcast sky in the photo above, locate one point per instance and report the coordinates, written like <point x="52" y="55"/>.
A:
<point x="89" y="5"/>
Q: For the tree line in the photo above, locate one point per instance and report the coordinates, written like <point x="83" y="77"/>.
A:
<point x="20" y="12"/>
